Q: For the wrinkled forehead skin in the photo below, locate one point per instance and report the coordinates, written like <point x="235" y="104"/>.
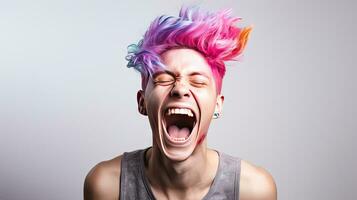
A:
<point x="185" y="61"/>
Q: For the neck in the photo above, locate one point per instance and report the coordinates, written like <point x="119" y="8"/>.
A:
<point x="196" y="173"/>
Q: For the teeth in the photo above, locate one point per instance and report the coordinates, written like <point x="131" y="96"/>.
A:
<point x="182" y="111"/>
<point x="178" y="139"/>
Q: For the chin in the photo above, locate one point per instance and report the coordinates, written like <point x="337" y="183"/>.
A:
<point x="177" y="155"/>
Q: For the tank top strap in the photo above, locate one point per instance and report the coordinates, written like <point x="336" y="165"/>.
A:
<point x="132" y="185"/>
<point x="226" y="182"/>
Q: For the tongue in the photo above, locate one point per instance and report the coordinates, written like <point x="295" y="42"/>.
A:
<point x="176" y="132"/>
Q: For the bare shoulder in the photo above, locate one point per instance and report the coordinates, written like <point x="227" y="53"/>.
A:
<point x="256" y="183"/>
<point x="102" y="181"/>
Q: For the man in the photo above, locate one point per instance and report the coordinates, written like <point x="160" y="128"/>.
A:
<point x="181" y="61"/>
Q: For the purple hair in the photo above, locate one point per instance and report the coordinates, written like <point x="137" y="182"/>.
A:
<point x="214" y="35"/>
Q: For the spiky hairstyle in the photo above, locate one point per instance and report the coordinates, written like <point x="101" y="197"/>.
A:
<point x="214" y="35"/>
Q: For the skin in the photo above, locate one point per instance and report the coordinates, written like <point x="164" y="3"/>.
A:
<point x="186" y="172"/>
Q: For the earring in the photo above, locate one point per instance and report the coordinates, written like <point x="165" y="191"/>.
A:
<point x="215" y="115"/>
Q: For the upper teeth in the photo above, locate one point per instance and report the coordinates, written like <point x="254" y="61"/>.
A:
<point x="183" y="111"/>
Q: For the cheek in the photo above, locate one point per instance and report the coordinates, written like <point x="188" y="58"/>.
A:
<point x="154" y="99"/>
<point x="207" y="103"/>
<point x="152" y="103"/>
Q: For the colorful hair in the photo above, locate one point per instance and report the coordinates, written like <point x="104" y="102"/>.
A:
<point x="214" y="35"/>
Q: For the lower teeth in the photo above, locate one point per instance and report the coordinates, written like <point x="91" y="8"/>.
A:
<point x="178" y="139"/>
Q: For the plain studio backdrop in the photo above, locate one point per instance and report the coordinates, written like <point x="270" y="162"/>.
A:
<point x="68" y="101"/>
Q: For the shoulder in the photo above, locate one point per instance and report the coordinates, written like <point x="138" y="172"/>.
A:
<point x="256" y="183"/>
<point x="103" y="180"/>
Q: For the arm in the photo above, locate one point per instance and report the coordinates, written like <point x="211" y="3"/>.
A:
<point x="256" y="183"/>
<point x="103" y="181"/>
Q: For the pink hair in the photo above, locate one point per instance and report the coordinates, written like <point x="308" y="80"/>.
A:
<point x="214" y="35"/>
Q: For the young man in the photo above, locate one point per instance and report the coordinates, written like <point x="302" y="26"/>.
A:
<point x="181" y="61"/>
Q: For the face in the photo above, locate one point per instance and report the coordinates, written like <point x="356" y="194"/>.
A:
<point x="180" y="102"/>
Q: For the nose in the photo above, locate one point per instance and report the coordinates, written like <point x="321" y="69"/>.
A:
<point x="180" y="90"/>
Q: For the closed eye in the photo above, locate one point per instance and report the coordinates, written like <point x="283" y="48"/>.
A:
<point x="163" y="79"/>
<point x="199" y="80"/>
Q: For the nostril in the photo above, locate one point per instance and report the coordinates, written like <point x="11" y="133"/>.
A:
<point x="174" y="94"/>
<point x="180" y="91"/>
<point x="179" y="94"/>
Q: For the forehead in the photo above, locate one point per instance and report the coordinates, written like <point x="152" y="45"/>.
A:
<point x="184" y="61"/>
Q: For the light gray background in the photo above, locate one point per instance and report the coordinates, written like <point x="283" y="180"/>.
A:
<point x="68" y="101"/>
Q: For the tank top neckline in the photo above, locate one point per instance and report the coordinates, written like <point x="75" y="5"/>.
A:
<point x="146" y="181"/>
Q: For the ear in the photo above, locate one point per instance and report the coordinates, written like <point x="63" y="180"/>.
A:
<point x="219" y="104"/>
<point x="141" y="102"/>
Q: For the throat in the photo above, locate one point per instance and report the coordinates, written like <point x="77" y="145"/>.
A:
<point x="195" y="173"/>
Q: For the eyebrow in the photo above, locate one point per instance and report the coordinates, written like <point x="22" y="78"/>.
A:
<point x="163" y="72"/>
<point x="198" y="73"/>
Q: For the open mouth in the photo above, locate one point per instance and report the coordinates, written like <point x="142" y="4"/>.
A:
<point x="179" y="123"/>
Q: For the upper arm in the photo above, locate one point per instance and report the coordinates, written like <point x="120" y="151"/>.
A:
<point x="265" y="186"/>
<point x="103" y="181"/>
<point x="256" y="184"/>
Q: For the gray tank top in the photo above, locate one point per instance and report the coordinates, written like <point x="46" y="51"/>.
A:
<point x="135" y="186"/>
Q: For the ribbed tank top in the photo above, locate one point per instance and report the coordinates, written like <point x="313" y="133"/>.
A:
<point x="135" y="186"/>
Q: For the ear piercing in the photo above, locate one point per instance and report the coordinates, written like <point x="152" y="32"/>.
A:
<point x="215" y="115"/>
